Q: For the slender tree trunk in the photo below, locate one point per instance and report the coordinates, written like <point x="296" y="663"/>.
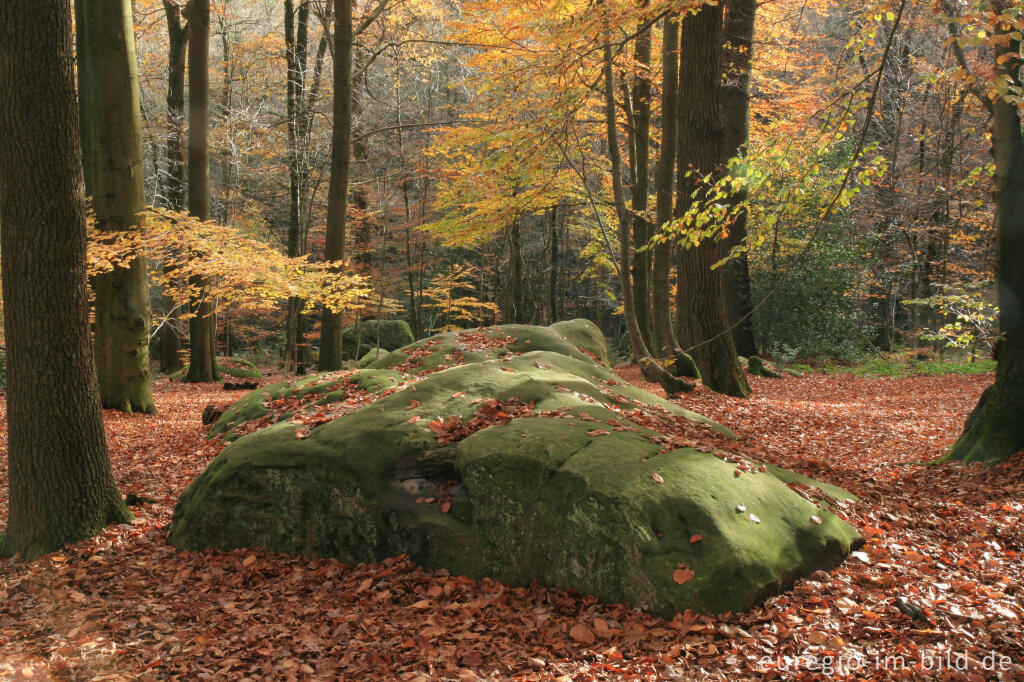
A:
<point x="59" y="477"/>
<point x="112" y="151"/>
<point x="994" y="430"/>
<point x="652" y="371"/>
<point x="341" y="157"/>
<point x="702" y="311"/>
<point x="739" y="35"/>
<point x="661" y="313"/>
<point x="296" y="29"/>
<point x="201" y="327"/>
<point x="641" y="102"/>
<point x="173" y="181"/>
<point x="553" y="281"/>
<point x="515" y="256"/>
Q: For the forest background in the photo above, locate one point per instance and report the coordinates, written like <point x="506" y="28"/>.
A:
<point x="480" y="183"/>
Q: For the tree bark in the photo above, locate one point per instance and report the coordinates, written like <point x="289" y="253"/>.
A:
<point x="553" y="289"/>
<point x="202" y="348"/>
<point x="296" y="30"/>
<point x="112" y="151"/>
<point x="341" y="158"/>
<point x="172" y="182"/>
<point x="650" y="368"/>
<point x="702" y="313"/>
<point x="641" y="179"/>
<point x="661" y="303"/>
<point x="994" y="430"/>
<point x="61" y="486"/>
<point x="739" y="35"/>
<point x="515" y="257"/>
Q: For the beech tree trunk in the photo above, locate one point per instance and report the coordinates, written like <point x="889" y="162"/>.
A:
<point x="661" y="301"/>
<point x="515" y="275"/>
<point x="641" y="105"/>
<point x="341" y="158"/>
<point x="172" y="182"/>
<point x="651" y="369"/>
<point x="296" y="38"/>
<point x="702" y="313"/>
<point x="553" y="289"/>
<point x="201" y="328"/>
<point x="112" y="148"/>
<point x="739" y="36"/>
<point x="995" y="430"/>
<point x="61" y="486"/>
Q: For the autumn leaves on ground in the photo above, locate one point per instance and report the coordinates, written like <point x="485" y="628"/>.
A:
<point x="945" y="539"/>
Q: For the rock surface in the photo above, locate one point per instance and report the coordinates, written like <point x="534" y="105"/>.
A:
<point x="527" y="459"/>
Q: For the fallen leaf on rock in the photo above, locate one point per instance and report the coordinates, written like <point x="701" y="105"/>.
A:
<point x="682" y="575"/>
<point x="657" y="478"/>
<point x="694" y="539"/>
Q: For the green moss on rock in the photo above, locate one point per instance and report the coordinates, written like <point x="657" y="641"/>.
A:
<point x="253" y="405"/>
<point x="553" y="497"/>
<point x="760" y="367"/>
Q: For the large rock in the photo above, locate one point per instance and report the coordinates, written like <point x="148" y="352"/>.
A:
<point x="535" y="466"/>
<point x="386" y="334"/>
<point x="573" y="338"/>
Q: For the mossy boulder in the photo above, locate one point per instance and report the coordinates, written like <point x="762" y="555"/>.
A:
<point x="541" y="466"/>
<point x="579" y="339"/>
<point x="371" y="355"/>
<point x="279" y="401"/>
<point x="235" y="367"/>
<point x="386" y="334"/>
<point x="762" y="368"/>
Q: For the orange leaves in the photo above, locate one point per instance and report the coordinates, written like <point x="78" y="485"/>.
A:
<point x="683" y="574"/>
<point x="236" y="269"/>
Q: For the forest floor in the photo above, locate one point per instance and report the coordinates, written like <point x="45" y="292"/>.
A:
<point x="947" y="539"/>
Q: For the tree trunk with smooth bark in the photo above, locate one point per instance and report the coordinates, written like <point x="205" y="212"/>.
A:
<point x="112" y="153"/>
<point x="172" y="182"/>
<point x="59" y="476"/>
<point x="739" y="36"/>
<point x="651" y="369"/>
<point x="341" y="159"/>
<point x="661" y="290"/>
<point x="202" y="327"/>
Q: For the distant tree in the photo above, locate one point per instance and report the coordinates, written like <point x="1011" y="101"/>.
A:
<point x="61" y="486"/>
<point x="112" y="157"/>
<point x="172" y="181"/>
<point x="202" y="326"/>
